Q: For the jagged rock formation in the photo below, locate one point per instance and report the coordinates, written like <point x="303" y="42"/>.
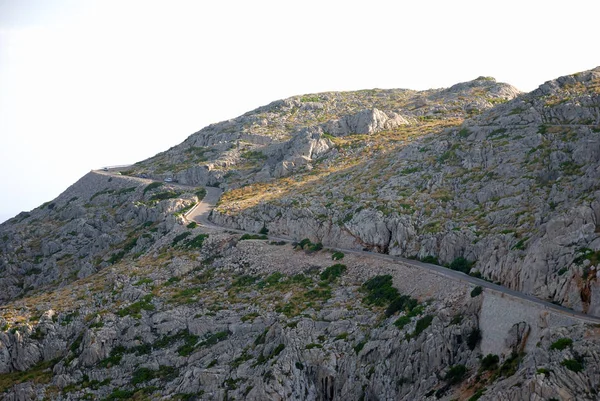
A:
<point x="107" y="292"/>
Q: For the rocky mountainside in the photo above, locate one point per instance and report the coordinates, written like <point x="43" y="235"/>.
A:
<point x="110" y="292"/>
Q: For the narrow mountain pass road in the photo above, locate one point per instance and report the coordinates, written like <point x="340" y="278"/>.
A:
<point x="201" y="213"/>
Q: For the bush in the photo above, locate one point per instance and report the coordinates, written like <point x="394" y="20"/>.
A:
<point x="136" y="308"/>
<point x="421" y="325"/>
<point x="379" y="290"/>
<point x="456" y="374"/>
<point x="561" y="344"/>
<point x="252" y="236"/>
<point x="511" y="364"/>
<point x="473" y="338"/>
<point x="430" y="259"/>
<point x="164" y="195"/>
<point x="461" y="264"/>
<point x="142" y="375"/>
<point x="180" y="237"/>
<point x="399" y="303"/>
<point x="333" y="272"/>
<point x="476" y="291"/>
<point x="152" y="186"/>
<point x="573" y="365"/>
<point x="200" y="193"/>
<point x="337" y="255"/>
<point x="308" y="245"/>
<point x="118" y="394"/>
<point x="402" y="321"/>
<point x="197" y="241"/>
<point x="193" y="224"/>
<point x="264" y="230"/>
<point x="490" y="362"/>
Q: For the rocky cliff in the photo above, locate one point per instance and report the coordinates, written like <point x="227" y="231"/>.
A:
<point x="109" y="292"/>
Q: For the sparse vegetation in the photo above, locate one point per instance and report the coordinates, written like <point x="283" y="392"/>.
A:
<point x="561" y="344"/>
<point x="476" y="291"/>
<point x="333" y="272"/>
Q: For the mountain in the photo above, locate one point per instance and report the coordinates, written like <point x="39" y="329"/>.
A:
<point x="111" y="291"/>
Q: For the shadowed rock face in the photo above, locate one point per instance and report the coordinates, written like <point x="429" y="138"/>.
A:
<point x="108" y="292"/>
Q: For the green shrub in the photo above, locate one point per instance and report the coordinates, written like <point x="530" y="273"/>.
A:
<point x="337" y="255"/>
<point x="430" y="259"/>
<point x="164" y="195"/>
<point x="245" y="280"/>
<point x="200" y="193"/>
<point x="358" y="347"/>
<point x="511" y="364"/>
<point x="308" y="245"/>
<point x="476" y="291"/>
<point x="152" y="186"/>
<point x="573" y="365"/>
<point x="490" y="362"/>
<point x="402" y="321"/>
<point x="264" y="230"/>
<point x="197" y="241"/>
<point x="315" y="247"/>
<point x="473" y="338"/>
<point x="114" y="358"/>
<point x="379" y="290"/>
<point x="193" y="224"/>
<point x="118" y="394"/>
<point x="561" y="344"/>
<point x="143" y="375"/>
<point x="130" y="244"/>
<point x="252" y="236"/>
<point x="333" y="272"/>
<point x="421" y="325"/>
<point x="521" y="244"/>
<point x="456" y="374"/>
<point x="136" y="308"/>
<point x="180" y="237"/>
<point x="271" y="280"/>
<point x="116" y="257"/>
<point x="461" y="264"/>
<point x="400" y="303"/>
<point x="254" y="155"/>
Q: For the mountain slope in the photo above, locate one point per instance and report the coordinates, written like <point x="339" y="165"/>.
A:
<point x="109" y="292"/>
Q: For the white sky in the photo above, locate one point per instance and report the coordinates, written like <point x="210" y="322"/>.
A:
<point x="85" y="84"/>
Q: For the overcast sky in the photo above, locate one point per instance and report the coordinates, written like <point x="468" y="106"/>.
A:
<point x="84" y="84"/>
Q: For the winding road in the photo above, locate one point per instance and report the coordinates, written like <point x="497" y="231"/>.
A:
<point x="201" y="213"/>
